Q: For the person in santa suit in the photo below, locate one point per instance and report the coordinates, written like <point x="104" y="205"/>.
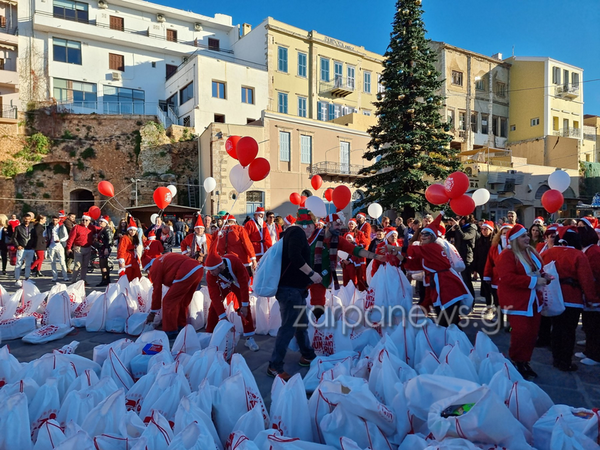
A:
<point x="520" y="278"/>
<point x="350" y="264"/>
<point x="358" y="272"/>
<point x="364" y="226"/>
<point x="228" y="275"/>
<point x="446" y="287"/>
<point x="197" y="244"/>
<point x="153" y="248"/>
<point x="181" y="275"/>
<point x="383" y="248"/>
<point x="591" y="314"/>
<point x="259" y="233"/>
<point x="274" y="229"/>
<point x="490" y="272"/>
<point x="129" y="264"/>
<point x="288" y="221"/>
<point x="545" y="333"/>
<point x="576" y="279"/>
<point x="232" y="238"/>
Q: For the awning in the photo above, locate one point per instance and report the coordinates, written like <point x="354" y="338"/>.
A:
<point x="8" y="47"/>
<point x="483" y="150"/>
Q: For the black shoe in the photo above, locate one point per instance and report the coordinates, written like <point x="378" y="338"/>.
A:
<point x="540" y="343"/>
<point x="102" y="283"/>
<point x="565" y="367"/>
<point x="530" y="372"/>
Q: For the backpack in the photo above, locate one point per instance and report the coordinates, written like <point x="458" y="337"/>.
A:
<point x="268" y="272"/>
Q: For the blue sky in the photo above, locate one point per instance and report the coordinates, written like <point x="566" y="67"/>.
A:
<point x="566" y="30"/>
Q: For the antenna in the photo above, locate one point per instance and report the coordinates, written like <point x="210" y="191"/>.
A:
<point x="513" y="51"/>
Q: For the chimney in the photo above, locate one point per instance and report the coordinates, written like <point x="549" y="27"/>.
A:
<point x="246" y="28"/>
<point x="497" y="56"/>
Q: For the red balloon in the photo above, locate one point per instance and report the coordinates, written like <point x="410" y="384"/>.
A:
<point x="94" y="212"/>
<point x="341" y="197"/>
<point x="259" y="169"/>
<point x="316" y="182"/>
<point x="328" y="193"/>
<point x="295" y="198"/>
<point x="303" y="201"/>
<point x="463" y="205"/>
<point x="106" y="188"/>
<point x="231" y="146"/>
<point x="162" y="197"/>
<point x="456" y="184"/>
<point x="436" y="194"/>
<point x="247" y="149"/>
<point x="552" y="200"/>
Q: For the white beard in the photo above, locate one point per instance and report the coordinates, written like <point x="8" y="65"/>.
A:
<point x="504" y="242"/>
<point x="260" y="222"/>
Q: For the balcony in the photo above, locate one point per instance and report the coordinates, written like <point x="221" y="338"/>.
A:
<point x="568" y="132"/>
<point x="335" y="171"/>
<point x="340" y="87"/>
<point x="568" y="90"/>
<point x="9" y="78"/>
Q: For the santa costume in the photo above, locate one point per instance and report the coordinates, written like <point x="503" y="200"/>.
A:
<point x="365" y="227"/>
<point x="382" y="250"/>
<point x="258" y="232"/>
<point x="194" y="246"/>
<point x="127" y="256"/>
<point x="152" y="250"/>
<point x="233" y="239"/>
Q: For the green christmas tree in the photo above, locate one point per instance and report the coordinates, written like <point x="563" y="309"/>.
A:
<point x="409" y="147"/>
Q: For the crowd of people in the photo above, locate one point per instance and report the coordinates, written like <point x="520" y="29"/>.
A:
<point x="442" y="256"/>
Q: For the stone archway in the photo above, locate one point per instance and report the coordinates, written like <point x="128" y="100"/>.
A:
<point x="81" y="201"/>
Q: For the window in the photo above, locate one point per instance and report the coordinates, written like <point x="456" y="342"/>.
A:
<point x="171" y="69"/>
<point x="345" y="157"/>
<point x="576" y="124"/>
<point x="187" y="93"/>
<point x="380" y="87"/>
<point x="71" y="10"/>
<point x="214" y="44"/>
<point x="556" y="75"/>
<point x="366" y="112"/>
<point x="218" y="89"/>
<point x="187" y="121"/>
<point x="503" y="127"/>
<point x="171" y="35"/>
<point x="322" y="111"/>
<point x="331" y="114"/>
<point x="248" y="95"/>
<point x="2" y="22"/>
<point x="535" y="122"/>
<point x="284" y="146"/>
<point x="324" y="69"/>
<point x="282" y="102"/>
<point x="513" y="128"/>
<point x="67" y="51"/>
<point x="117" y="23"/>
<point x="565" y="77"/>
<point x="302" y="64"/>
<point x="479" y="84"/>
<point x="305" y="149"/>
<point x="282" y="59"/>
<point x="302" y="106"/>
<point x="219" y="118"/>
<point x="338" y="73"/>
<point x="500" y="89"/>
<point x="450" y="118"/>
<point x="457" y="78"/>
<point x="575" y="80"/>
<point x="367" y="82"/>
<point x="250" y="120"/>
<point x="351" y="71"/>
<point x="495" y="125"/>
<point x="484" y="124"/>
<point x="82" y="94"/>
<point x="254" y="199"/>
<point x="120" y="100"/>
<point x="2" y="64"/>
<point x="555" y="123"/>
<point x="154" y="64"/>
<point x="116" y="62"/>
<point x="474" y="122"/>
<point x="462" y="117"/>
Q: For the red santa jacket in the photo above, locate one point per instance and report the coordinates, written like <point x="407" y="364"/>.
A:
<point x="389" y="258"/>
<point x="259" y="236"/>
<point x="359" y="239"/>
<point x="490" y="272"/>
<point x="592" y="253"/>
<point x="365" y="228"/>
<point x="447" y="285"/>
<point x="575" y="272"/>
<point x="126" y="252"/>
<point x="189" y="246"/>
<point x="516" y="284"/>
<point x="170" y="268"/>
<point x="233" y="239"/>
<point x="235" y="281"/>
<point x="152" y="249"/>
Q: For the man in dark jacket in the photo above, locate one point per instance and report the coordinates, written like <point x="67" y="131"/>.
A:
<point x="463" y="234"/>
<point x="104" y="246"/>
<point x="167" y="238"/>
<point x="69" y="223"/>
<point x="24" y="238"/>
<point x="179" y="230"/>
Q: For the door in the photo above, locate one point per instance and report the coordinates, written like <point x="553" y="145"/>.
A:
<point x="565" y="127"/>
<point x="345" y="157"/>
<point x="338" y="69"/>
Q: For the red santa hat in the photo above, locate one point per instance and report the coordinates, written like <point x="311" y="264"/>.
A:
<point x="228" y="217"/>
<point x="86" y="216"/>
<point x="552" y="229"/>
<point x="538" y="221"/>
<point x="361" y="215"/>
<point x="105" y="219"/>
<point x="516" y="231"/>
<point x="591" y="222"/>
<point x="488" y="224"/>
<point x="132" y="224"/>
<point x="505" y="226"/>
<point x="434" y="227"/>
<point x="151" y="235"/>
<point x="389" y="232"/>
<point x="352" y="221"/>
<point x="562" y="231"/>
<point x="259" y="210"/>
<point x="61" y="213"/>
<point x="350" y="237"/>
<point x="289" y="220"/>
<point x="213" y="260"/>
<point x="442" y="229"/>
<point x="199" y="223"/>
<point x="336" y="217"/>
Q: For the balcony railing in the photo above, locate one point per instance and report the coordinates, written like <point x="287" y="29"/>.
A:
<point x="9" y="112"/>
<point x="568" y="132"/>
<point x="339" y="87"/>
<point x="568" y="90"/>
<point x="335" y="168"/>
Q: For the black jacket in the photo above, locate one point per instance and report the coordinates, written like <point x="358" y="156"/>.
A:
<point x="179" y="226"/>
<point x="464" y="240"/>
<point x="296" y="253"/>
<point x="480" y="253"/>
<point x="104" y="241"/>
<point x="25" y="237"/>
<point x="40" y="240"/>
<point x="168" y="241"/>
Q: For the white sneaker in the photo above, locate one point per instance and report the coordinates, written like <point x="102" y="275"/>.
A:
<point x="251" y="344"/>
<point x="580" y="355"/>
<point x="66" y="279"/>
<point x="589" y="362"/>
<point x="581" y="342"/>
<point x="54" y="280"/>
<point x="19" y="283"/>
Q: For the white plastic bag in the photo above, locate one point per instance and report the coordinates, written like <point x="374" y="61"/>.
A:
<point x="96" y="317"/>
<point x="107" y="416"/>
<point x="164" y="396"/>
<point x="252" y="393"/>
<point x="44" y="406"/>
<point x="192" y="438"/>
<point x="329" y="340"/>
<point x="14" y="423"/>
<point x="30" y="305"/>
<point x="16" y="328"/>
<point x="196" y="316"/>
<point x="268" y="272"/>
<point x="289" y="408"/>
<point x="135" y="323"/>
<point x="58" y="310"/>
<point x="49" y="436"/>
<point x="116" y="314"/>
<point x="75" y="407"/>
<point x="564" y="438"/>
<point x="9" y="303"/>
<point x="9" y="367"/>
<point x="581" y="421"/>
<point x="100" y="352"/>
<point x="158" y="434"/>
<point x="268" y="317"/>
<point x="225" y="338"/>
<point x="47" y="333"/>
<point x="322" y="364"/>
<point x="228" y="405"/>
<point x="114" y="368"/>
<point x="186" y="342"/>
<point x="187" y="413"/>
<point x="553" y="302"/>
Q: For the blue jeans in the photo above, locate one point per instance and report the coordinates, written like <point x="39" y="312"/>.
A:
<point x="294" y="322"/>
<point x="179" y="237"/>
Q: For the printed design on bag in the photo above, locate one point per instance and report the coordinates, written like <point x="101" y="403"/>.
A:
<point x="44" y="417"/>
<point x="385" y="413"/>
<point x="134" y="404"/>
<point x="47" y="330"/>
<point x="370" y="299"/>
<point x="72" y="297"/>
<point x="141" y="302"/>
<point x="80" y="310"/>
<point x="21" y="309"/>
<point x="323" y="343"/>
<point x="252" y="400"/>
<point x="278" y="425"/>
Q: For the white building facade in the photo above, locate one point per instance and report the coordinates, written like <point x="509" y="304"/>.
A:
<point x="9" y="69"/>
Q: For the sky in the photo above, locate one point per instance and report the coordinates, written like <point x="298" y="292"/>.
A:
<point x="565" y="30"/>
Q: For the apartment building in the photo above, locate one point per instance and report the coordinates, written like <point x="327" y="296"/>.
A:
<point x="9" y="69"/>
<point x="311" y="75"/>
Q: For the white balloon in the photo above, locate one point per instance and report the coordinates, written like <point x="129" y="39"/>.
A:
<point x="559" y="180"/>
<point x="153" y="218"/>
<point x="239" y="178"/>
<point x="481" y="196"/>
<point x="210" y="184"/>
<point x="173" y="190"/>
<point x="316" y="206"/>
<point x="375" y="210"/>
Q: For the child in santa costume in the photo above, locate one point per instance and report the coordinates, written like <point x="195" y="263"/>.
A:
<point x="129" y="264"/>
<point x="391" y="239"/>
<point x="152" y="250"/>
<point x="520" y="278"/>
<point x="228" y="275"/>
<point x="197" y="244"/>
<point x="356" y="266"/>
<point x="181" y="275"/>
